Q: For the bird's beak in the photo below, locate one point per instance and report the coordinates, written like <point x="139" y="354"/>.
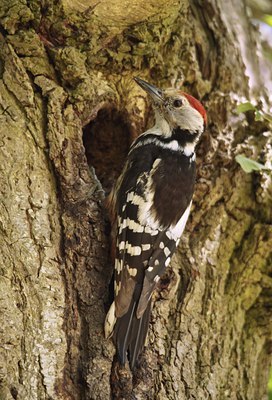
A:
<point x="154" y="92"/>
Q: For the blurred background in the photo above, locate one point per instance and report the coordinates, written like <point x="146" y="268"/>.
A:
<point x="260" y="12"/>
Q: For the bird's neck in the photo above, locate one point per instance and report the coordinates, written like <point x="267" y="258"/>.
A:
<point x="175" y="138"/>
<point x="180" y="138"/>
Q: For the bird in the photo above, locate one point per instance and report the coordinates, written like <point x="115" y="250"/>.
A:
<point x="151" y="201"/>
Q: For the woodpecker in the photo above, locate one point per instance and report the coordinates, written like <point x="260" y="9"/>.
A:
<point x="152" y="200"/>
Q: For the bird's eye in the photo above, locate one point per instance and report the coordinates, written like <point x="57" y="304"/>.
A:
<point x="177" y="103"/>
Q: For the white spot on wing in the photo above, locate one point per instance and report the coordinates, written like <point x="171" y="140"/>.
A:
<point x="134" y="226"/>
<point x="110" y="321"/>
<point x="146" y="213"/>
<point x="167" y="252"/>
<point x="132" y="271"/>
<point x="152" y="232"/>
<point x="161" y="245"/>
<point x="117" y="287"/>
<point x="132" y="250"/>
<point x="150" y="269"/>
<point x="122" y="225"/>
<point x="167" y="262"/>
<point x="122" y="245"/>
<point x="135" y="199"/>
<point x="118" y="266"/>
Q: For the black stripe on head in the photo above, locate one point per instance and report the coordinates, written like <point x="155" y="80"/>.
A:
<point x="184" y="136"/>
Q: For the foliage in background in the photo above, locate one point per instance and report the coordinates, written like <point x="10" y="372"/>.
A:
<point x="259" y="115"/>
<point x="270" y="386"/>
<point x="249" y="165"/>
<point x="261" y="12"/>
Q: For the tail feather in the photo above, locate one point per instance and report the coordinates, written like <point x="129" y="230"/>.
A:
<point x="130" y="334"/>
<point x="123" y="326"/>
<point x="139" y="337"/>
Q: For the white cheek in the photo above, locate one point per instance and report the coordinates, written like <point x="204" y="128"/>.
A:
<point x="189" y="118"/>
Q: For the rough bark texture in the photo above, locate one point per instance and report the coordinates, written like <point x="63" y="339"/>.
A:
<point x="66" y="81"/>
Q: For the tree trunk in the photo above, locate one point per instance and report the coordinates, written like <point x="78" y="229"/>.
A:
<point x="69" y="111"/>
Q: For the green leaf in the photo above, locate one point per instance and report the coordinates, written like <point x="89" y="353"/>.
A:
<point x="270" y="385"/>
<point x="267" y="19"/>
<point x="249" y="165"/>
<point x="258" y="116"/>
<point x="268" y="117"/>
<point x="243" y="107"/>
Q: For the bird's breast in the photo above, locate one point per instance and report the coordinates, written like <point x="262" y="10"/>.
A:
<point x="173" y="187"/>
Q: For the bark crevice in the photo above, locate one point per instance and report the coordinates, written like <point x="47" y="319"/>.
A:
<point x="68" y="101"/>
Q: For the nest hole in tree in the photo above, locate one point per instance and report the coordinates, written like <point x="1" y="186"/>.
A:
<point x="107" y="139"/>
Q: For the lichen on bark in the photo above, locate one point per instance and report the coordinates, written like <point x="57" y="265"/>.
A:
<point x="65" y="65"/>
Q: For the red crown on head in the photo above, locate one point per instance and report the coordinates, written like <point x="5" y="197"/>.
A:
<point x="197" y="105"/>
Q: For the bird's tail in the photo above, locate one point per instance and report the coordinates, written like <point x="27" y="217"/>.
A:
<point x="130" y="334"/>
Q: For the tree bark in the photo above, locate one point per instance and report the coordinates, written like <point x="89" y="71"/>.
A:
<point x="69" y="111"/>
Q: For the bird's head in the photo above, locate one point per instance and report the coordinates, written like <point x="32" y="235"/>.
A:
<point x="175" y="109"/>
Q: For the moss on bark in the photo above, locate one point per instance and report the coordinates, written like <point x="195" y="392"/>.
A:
<point x="63" y="66"/>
